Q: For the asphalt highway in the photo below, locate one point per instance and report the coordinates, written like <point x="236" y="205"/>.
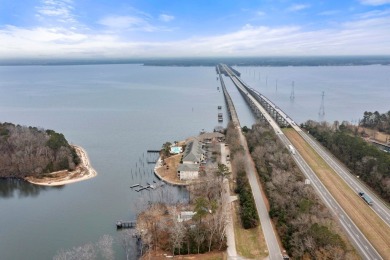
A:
<point x="379" y="207"/>
<point x="270" y="237"/>
<point x="353" y="182"/>
<point x="361" y="243"/>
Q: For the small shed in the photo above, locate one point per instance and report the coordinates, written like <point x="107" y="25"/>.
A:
<point x="185" y="216"/>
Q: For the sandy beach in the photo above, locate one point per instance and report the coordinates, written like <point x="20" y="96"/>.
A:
<point x="83" y="171"/>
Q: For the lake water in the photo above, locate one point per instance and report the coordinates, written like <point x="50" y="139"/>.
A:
<point x="117" y="112"/>
<point x="349" y="90"/>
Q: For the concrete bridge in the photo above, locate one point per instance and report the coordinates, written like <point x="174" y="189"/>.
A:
<point x="269" y="112"/>
<point x="274" y="111"/>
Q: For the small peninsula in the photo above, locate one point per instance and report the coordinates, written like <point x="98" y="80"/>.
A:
<point x="41" y="156"/>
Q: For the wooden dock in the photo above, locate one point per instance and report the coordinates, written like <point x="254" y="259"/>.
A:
<point x="152" y="156"/>
<point x="125" y="224"/>
<point x="153" y="151"/>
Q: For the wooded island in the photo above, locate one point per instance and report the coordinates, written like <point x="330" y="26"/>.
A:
<point x="40" y="156"/>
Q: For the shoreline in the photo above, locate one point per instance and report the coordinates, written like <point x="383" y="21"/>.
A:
<point x="83" y="171"/>
<point x="158" y="166"/>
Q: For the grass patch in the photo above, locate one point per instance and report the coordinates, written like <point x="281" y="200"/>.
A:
<point x="250" y="243"/>
<point x="169" y="170"/>
<point x="375" y="230"/>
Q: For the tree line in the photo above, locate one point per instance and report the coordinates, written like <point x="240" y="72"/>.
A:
<point x="363" y="159"/>
<point x="375" y="120"/>
<point x="305" y="226"/>
<point x="29" y="151"/>
<point x="248" y="212"/>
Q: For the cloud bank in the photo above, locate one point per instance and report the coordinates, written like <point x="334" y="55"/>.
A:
<point x="367" y="33"/>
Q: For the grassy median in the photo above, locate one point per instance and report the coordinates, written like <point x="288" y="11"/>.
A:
<point x="250" y="243"/>
<point x="374" y="228"/>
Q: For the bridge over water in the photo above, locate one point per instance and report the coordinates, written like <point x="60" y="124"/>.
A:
<point x="274" y="111"/>
<point x="269" y="112"/>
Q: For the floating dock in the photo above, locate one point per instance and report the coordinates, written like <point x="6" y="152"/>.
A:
<point x="125" y="224"/>
<point x="220" y="118"/>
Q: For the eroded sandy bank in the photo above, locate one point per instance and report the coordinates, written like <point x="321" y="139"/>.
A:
<point x="83" y="171"/>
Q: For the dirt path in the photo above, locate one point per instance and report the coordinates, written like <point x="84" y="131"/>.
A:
<point x="83" y="171"/>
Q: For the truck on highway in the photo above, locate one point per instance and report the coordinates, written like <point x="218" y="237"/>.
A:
<point x="291" y="149"/>
<point x="366" y="198"/>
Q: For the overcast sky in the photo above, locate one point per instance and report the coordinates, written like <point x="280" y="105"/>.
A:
<point x="185" y="28"/>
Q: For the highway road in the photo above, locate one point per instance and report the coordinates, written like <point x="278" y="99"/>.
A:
<point x="268" y="230"/>
<point x="361" y="243"/>
<point x="379" y="206"/>
<point x="274" y="250"/>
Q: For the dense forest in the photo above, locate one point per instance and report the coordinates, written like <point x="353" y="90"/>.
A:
<point x="363" y="159"/>
<point x="375" y="120"/>
<point x="305" y="226"/>
<point x="29" y="151"/>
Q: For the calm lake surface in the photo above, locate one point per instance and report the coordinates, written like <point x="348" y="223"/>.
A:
<point x="117" y="112"/>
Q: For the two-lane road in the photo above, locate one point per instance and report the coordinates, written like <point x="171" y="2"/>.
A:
<point x="270" y="236"/>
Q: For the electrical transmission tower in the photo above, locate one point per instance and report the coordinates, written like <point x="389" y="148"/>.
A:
<point x="321" y="113"/>
<point x="292" y="96"/>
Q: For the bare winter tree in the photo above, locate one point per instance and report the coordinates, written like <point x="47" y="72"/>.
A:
<point x="105" y="247"/>
<point x="29" y="151"/>
<point x="312" y="232"/>
<point x="89" y="251"/>
<point x="85" y="252"/>
<point x="176" y="230"/>
<point x="127" y="242"/>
